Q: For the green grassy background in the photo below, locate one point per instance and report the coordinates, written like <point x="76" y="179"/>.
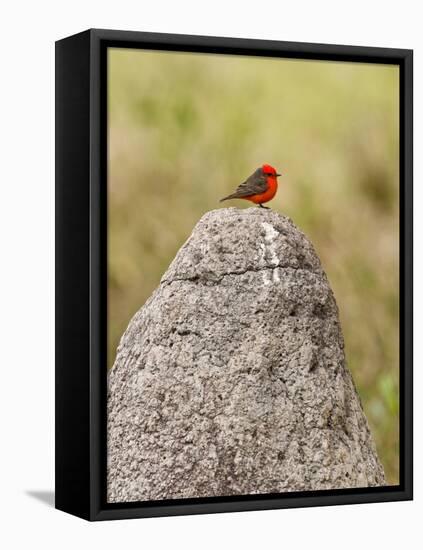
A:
<point x="185" y="129"/>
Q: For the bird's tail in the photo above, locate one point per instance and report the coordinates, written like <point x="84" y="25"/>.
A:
<point x="233" y="196"/>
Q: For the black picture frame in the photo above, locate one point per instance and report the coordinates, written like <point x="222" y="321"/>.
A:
<point x="81" y="272"/>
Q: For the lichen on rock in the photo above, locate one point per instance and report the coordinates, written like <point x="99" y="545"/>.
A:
<point x="231" y="379"/>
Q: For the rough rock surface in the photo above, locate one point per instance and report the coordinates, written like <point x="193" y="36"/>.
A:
<point x="231" y="379"/>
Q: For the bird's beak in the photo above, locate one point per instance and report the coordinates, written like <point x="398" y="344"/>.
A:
<point x="278" y="175"/>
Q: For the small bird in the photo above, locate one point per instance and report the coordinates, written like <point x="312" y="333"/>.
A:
<point x="259" y="188"/>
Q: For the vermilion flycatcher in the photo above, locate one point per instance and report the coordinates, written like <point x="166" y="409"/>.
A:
<point x="260" y="187"/>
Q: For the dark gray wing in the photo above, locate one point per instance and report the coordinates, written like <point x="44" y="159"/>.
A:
<point x="254" y="185"/>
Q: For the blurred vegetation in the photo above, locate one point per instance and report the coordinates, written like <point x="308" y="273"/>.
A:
<point x="185" y="129"/>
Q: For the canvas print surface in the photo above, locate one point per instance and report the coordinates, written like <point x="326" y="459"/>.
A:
<point x="253" y="343"/>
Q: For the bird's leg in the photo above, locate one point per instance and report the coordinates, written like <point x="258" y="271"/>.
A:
<point x="265" y="207"/>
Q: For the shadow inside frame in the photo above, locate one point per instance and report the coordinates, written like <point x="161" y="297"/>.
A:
<point x="254" y="497"/>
